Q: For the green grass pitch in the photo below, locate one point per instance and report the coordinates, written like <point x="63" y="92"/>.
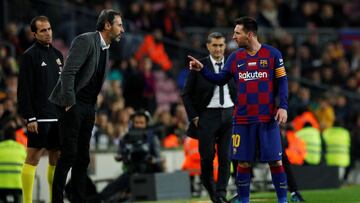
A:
<point x="346" y="194"/>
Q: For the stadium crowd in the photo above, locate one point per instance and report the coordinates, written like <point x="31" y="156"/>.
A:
<point x="324" y="74"/>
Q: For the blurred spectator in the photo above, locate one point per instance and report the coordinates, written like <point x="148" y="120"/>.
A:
<point x="325" y="113"/>
<point x="102" y="131"/>
<point x="312" y="138"/>
<point x="11" y="35"/>
<point x="354" y="149"/>
<point x="168" y="20"/>
<point x="307" y="14"/>
<point x="149" y="89"/>
<point x="121" y="124"/>
<point x="306" y="60"/>
<point x="141" y="16"/>
<point x="328" y="17"/>
<point x="164" y="123"/>
<point x="337" y="142"/>
<point x="335" y="49"/>
<point x="342" y="109"/>
<point x="114" y="91"/>
<point x="354" y="56"/>
<point x="351" y="10"/>
<point x="342" y="72"/>
<point x="134" y="85"/>
<point x="327" y="75"/>
<point x="268" y="15"/>
<point x="10" y="166"/>
<point x="198" y="15"/>
<point x="26" y="37"/>
<point x="299" y="100"/>
<point x="180" y="120"/>
<point x="153" y="47"/>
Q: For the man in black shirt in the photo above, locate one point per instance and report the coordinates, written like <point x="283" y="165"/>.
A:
<point x="39" y="71"/>
<point x="75" y="93"/>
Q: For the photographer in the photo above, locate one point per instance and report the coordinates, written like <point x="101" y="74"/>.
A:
<point x="140" y="152"/>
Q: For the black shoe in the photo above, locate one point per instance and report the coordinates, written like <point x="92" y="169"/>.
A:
<point x="296" y="197"/>
<point x="221" y="199"/>
<point x="234" y="199"/>
<point x="213" y="198"/>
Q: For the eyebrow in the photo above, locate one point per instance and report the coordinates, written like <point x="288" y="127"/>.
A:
<point x="49" y="28"/>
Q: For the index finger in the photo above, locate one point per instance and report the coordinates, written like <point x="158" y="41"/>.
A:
<point x="192" y="58"/>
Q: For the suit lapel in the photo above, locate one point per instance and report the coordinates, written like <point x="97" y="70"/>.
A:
<point x="97" y="49"/>
<point x="209" y="64"/>
<point x="211" y="68"/>
<point x="107" y="68"/>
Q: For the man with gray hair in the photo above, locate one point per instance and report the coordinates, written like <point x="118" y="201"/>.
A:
<point x="75" y="93"/>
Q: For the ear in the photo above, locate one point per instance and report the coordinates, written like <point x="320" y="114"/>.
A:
<point x="208" y="46"/>
<point x="107" y="26"/>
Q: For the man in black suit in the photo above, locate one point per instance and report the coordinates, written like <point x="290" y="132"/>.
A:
<point x="75" y="93"/>
<point x="209" y="108"/>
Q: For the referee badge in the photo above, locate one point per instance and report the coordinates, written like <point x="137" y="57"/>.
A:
<point x="58" y="61"/>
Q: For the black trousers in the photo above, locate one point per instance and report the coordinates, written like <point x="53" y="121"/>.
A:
<point x="75" y="131"/>
<point x="292" y="185"/>
<point x="215" y="127"/>
<point x="120" y="184"/>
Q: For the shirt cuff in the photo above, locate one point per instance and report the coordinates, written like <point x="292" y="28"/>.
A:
<point x="29" y="120"/>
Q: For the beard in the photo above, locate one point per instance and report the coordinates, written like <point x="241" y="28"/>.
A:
<point x="242" y="45"/>
<point x="117" y="39"/>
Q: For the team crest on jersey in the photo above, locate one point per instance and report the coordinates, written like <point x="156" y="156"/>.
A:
<point x="263" y="63"/>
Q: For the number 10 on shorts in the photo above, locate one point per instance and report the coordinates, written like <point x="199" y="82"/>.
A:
<point x="235" y="140"/>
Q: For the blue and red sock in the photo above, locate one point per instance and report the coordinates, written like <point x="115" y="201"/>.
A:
<point x="243" y="178"/>
<point x="280" y="183"/>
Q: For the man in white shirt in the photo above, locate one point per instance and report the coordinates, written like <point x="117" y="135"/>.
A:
<point x="209" y="108"/>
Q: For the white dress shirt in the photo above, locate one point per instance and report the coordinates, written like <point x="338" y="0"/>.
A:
<point x="215" y="100"/>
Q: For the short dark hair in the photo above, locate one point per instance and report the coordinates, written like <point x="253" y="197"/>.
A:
<point x="214" y="35"/>
<point x="35" y="19"/>
<point x="141" y="113"/>
<point x="9" y="133"/>
<point x="106" y="15"/>
<point x="250" y="24"/>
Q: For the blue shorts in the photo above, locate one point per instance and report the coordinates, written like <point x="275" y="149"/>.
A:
<point x="264" y="137"/>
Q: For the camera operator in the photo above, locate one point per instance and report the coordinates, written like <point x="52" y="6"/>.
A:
<point x="140" y="152"/>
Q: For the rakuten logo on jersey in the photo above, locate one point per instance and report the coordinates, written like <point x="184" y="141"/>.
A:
<point x="246" y="76"/>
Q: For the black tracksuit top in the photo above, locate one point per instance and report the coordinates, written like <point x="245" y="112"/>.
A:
<point x="40" y="69"/>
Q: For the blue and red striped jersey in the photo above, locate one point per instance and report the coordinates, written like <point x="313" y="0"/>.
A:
<point x="259" y="78"/>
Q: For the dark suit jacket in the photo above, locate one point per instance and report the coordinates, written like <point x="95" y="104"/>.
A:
<point x="81" y="63"/>
<point x="198" y="92"/>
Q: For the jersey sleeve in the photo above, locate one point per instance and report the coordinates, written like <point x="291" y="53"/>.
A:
<point x="25" y="88"/>
<point x="279" y="65"/>
<point x="282" y="81"/>
<point x="223" y="76"/>
<point x="229" y="64"/>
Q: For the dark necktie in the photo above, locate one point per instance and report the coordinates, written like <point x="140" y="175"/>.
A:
<point x="221" y="88"/>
